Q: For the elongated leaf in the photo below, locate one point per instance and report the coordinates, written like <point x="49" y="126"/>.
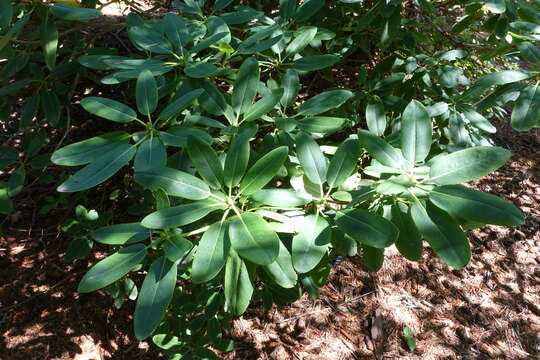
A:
<point x="237" y="160"/>
<point x="6" y="205"/>
<point x="415" y="132"/>
<point x="287" y="9"/>
<point x="29" y="111"/>
<point x="180" y="215"/>
<point x="311" y="158"/>
<point x="88" y="150"/>
<point x="180" y="104"/>
<point x="495" y="6"/>
<point x="206" y="162"/>
<point x="307" y="9"/>
<point x="147" y="38"/>
<point x="6" y="13"/>
<point x="179" y="135"/>
<point x="375" y="117"/>
<point x="238" y="286"/>
<point x="409" y="242"/>
<point x="478" y="206"/>
<point x="325" y="101"/>
<point x="201" y="70"/>
<point x="380" y="149"/>
<point x="49" y="43"/>
<point x="290" y="85"/>
<point x="343" y="162"/>
<point x="443" y="235"/>
<point x="529" y="52"/>
<point x="301" y="40"/>
<point x="154" y="298"/>
<point x="112" y="268"/>
<point x="282" y="197"/>
<point x="263" y="106"/>
<point x="245" y="85"/>
<point x="72" y="13"/>
<point x="51" y="107"/>
<point x="263" y="170"/>
<point x="176" y="247"/>
<point x="468" y="164"/>
<point x="526" y="113"/>
<point x="253" y="239"/>
<point x="121" y="234"/>
<point x="282" y="270"/>
<point x="213" y="100"/>
<point x="146" y="93"/>
<point x="367" y="228"/>
<point x="314" y="62"/>
<point x="311" y="243"/>
<point x="173" y="182"/>
<point x="373" y="257"/>
<point x="100" y="170"/>
<point x="212" y="252"/>
<point x="321" y="124"/>
<point x="16" y="182"/>
<point x="151" y="153"/>
<point x="108" y="109"/>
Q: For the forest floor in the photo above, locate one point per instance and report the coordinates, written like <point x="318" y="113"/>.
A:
<point x="489" y="310"/>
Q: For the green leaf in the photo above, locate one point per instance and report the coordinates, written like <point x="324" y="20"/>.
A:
<point x="29" y="111"/>
<point x="213" y="100"/>
<point x="99" y="170"/>
<point x="8" y="156"/>
<point x="287" y="9"/>
<point x="112" y="268"/>
<point x="6" y="13"/>
<point x="173" y="182"/>
<point x="443" y="235"/>
<point x="311" y="158"/>
<point x="409" y="242"/>
<point x="301" y="40"/>
<point x="529" y="52"/>
<point x="307" y="9"/>
<point x="180" y="104"/>
<point x="180" y="215"/>
<point x="321" y="124"/>
<point x="290" y="85"/>
<point x="367" y="228"/>
<point x="375" y="117"/>
<point x="16" y="182"/>
<point x="263" y="170"/>
<point x="253" y="239"/>
<point x="311" y="243"/>
<point x="343" y="163"/>
<point x="109" y="109"/>
<point x="73" y="13"/>
<point x="151" y="153"/>
<point x="263" y="106"/>
<point x="495" y="6"/>
<point x="282" y="197"/>
<point x="493" y="79"/>
<point x="146" y="93"/>
<point x="201" y="70"/>
<point x="237" y="160"/>
<point x="154" y="298"/>
<point x="526" y="112"/>
<point x="314" y="62"/>
<point x="468" y="164"/>
<point x="51" y="107"/>
<point x="282" y="270"/>
<point x="238" y="286"/>
<point x="176" y="247"/>
<point x="211" y="253"/>
<point x="409" y="338"/>
<point x="325" y="101"/>
<point x="380" y="149"/>
<point x="179" y="135"/>
<point x="211" y="40"/>
<point x="462" y="202"/>
<point x="245" y="85"/>
<point x="147" y="38"/>
<point x="6" y="205"/>
<point x="205" y="161"/>
<point x="373" y="257"/>
<point x="415" y="132"/>
<point x="14" y="87"/>
<point x="121" y="234"/>
<point x="88" y="150"/>
<point x="49" y="43"/>
<point x="316" y="278"/>
<point x="479" y="121"/>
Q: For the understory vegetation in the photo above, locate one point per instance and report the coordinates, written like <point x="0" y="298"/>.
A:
<point x="250" y="143"/>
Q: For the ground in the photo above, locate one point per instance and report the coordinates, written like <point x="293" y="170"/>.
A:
<point x="489" y="310"/>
